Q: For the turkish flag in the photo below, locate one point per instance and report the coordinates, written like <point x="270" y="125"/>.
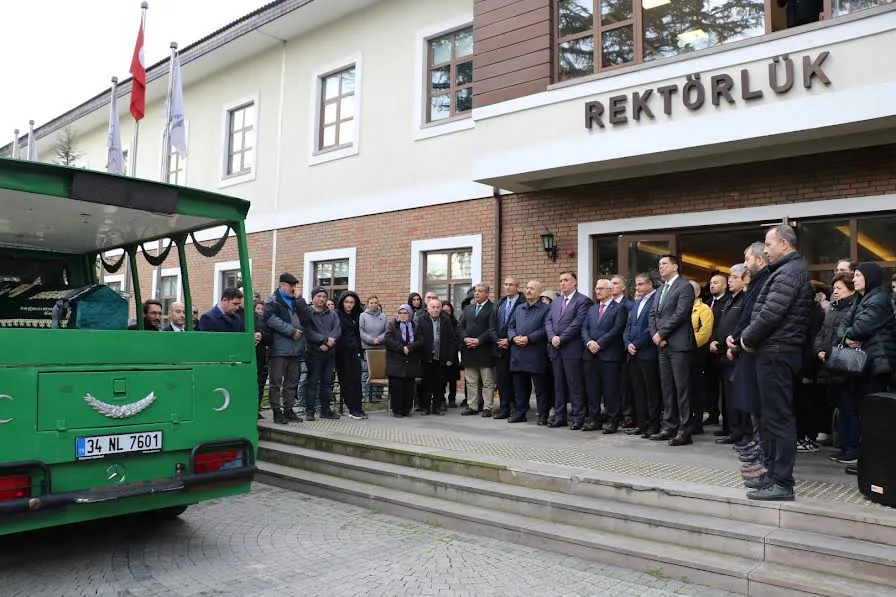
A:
<point x="138" y="85"/>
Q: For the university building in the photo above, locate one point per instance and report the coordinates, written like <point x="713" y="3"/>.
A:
<point x="390" y="146"/>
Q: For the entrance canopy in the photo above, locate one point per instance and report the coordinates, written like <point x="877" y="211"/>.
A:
<point x="67" y="210"/>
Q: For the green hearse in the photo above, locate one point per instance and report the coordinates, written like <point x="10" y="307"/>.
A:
<point x="96" y="420"/>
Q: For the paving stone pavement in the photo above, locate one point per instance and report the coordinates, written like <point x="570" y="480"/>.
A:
<point x="278" y="542"/>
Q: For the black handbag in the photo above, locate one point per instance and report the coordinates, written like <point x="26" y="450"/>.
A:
<point x="847" y="360"/>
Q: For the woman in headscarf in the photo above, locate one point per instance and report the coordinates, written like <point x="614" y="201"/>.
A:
<point x="402" y="361"/>
<point x="348" y="354"/>
<point x="453" y="372"/>
<point x="871" y="327"/>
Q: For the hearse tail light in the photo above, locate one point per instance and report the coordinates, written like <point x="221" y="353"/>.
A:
<point x="220" y="460"/>
<point x="15" y="487"/>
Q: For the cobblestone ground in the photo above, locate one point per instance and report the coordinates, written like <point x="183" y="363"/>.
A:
<point x="277" y="542"/>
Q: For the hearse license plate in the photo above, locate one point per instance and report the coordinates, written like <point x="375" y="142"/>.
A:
<point x="104" y="445"/>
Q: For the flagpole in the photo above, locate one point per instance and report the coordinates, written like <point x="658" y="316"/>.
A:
<point x="132" y="157"/>
<point x="166" y="152"/>
<point x="112" y="115"/>
<point x="15" y="145"/>
<point x="31" y="147"/>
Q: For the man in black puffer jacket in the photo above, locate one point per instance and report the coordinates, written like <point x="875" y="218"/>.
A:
<point x="777" y="334"/>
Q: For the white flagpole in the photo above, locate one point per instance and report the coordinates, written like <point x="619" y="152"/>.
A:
<point x="166" y="153"/>
<point x="32" y="144"/>
<point x="15" y="145"/>
<point x="114" y="157"/>
<point x="132" y="154"/>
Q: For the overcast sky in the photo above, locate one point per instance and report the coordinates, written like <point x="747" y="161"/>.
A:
<point x="58" y="54"/>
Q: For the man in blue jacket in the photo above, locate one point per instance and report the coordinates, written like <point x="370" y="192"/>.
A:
<point x="224" y="317"/>
<point x="644" y="365"/>
<point x="529" y="356"/>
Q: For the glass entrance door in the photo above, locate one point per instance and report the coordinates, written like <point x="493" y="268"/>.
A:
<point x="642" y="252"/>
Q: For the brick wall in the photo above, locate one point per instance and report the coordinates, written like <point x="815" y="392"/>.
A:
<point x="836" y="175"/>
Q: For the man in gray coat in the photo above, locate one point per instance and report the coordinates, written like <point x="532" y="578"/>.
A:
<point x="673" y="333"/>
<point x="282" y="314"/>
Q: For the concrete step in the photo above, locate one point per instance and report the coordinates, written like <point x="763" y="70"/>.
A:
<point x="874" y="524"/>
<point x="682" y="528"/>
<point x="861" y="560"/>
<point x="776" y="580"/>
<point x="703" y="567"/>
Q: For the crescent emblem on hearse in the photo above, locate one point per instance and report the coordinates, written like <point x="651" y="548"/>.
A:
<point x="6" y="397"/>
<point x="115" y="411"/>
<point x="226" y="395"/>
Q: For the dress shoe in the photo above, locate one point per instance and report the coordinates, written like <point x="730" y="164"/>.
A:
<point x="517" y="418"/>
<point x="591" y="426"/>
<point x="555" y="424"/>
<point x="851" y="469"/>
<point x="501" y="414"/>
<point x="468" y="412"/>
<point x="636" y="431"/>
<point x="398" y="415"/>
<point x="452" y="404"/>
<point x="487" y="413"/>
<point x="309" y="416"/>
<point x="628" y="424"/>
<point x="437" y="411"/>
<point x="772" y="492"/>
<point x="749" y="468"/>
<point x="329" y="415"/>
<point x="662" y="436"/>
<point x="422" y="413"/>
<point x="611" y="429"/>
<point x="725" y="440"/>
<point x="681" y="440"/>
<point x="697" y="430"/>
<point x="711" y="421"/>
<point x="720" y="432"/>
<point x="542" y="421"/>
<point x="754" y="474"/>
<point x="576" y="425"/>
<point x="744" y="444"/>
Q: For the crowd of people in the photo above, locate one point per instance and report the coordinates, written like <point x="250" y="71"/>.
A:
<point x="765" y="357"/>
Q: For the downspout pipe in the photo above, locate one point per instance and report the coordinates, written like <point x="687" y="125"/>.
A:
<point x="496" y="193"/>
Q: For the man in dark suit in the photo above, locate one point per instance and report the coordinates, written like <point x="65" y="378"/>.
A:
<point x="504" y="316"/>
<point x="645" y="367"/>
<point x="719" y="299"/>
<point x="439" y="343"/>
<point x="564" y="329"/>
<point x="152" y="316"/>
<point x="224" y="316"/>
<point x="618" y="292"/>
<point x="177" y="318"/>
<point x="478" y="335"/>
<point x="529" y="356"/>
<point x="603" y="355"/>
<point x="673" y="334"/>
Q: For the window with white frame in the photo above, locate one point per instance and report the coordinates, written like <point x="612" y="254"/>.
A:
<point x="169" y="291"/>
<point x="227" y="274"/>
<point x="333" y="269"/>
<point x="240" y="139"/>
<point x="448" y="266"/>
<point x="336" y="118"/>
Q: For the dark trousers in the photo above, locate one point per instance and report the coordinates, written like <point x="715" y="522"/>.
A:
<point x="626" y="391"/>
<point x="807" y="410"/>
<point x="523" y="382"/>
<point x="568" y="380"/>
<point x="737" y="423"/>
<point x="504" y="380"/>
<point x="778" y="374"/>
<point x="675" y="376"/>
<point x="848" y="417"/>
<point x="319" y="383"/>
<point x="433" y="382"/>
<point x="715" y="389"/>
<point x="602" y="379"/>
<point x="647" y="393"/>
<point x="262" y="371"/>
<point x="284" y="373"/>
<point x="401" y="394"/>
<point x="698" y="388"/>
<point x="348" y="367"/>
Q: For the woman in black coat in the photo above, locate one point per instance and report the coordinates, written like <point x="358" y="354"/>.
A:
<point x="871" y="327"/>
<point x="402" y="361"/>
<point x="348" y="354"/>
